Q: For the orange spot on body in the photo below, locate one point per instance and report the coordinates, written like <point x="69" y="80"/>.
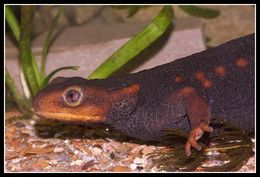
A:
<point x="178" y="79"/>
<point x="132" y="89"/>
<point x="207" y="83"/>
<point x="201" y="77"/>
<point x="241" y="63"/>
<point x="186" y="91"/>
<point x="220" y="70"/>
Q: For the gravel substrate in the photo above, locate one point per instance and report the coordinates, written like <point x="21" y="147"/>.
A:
<point x="40" y="146"/>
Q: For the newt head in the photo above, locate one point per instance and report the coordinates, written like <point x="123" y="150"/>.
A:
<point x="71" y="99"/>
<point x="75" y="99"/>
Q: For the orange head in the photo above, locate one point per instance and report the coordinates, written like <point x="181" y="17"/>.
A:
<point x="75" y="100"/>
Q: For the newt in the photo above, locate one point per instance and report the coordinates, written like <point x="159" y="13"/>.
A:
<point x="183" y="94"/>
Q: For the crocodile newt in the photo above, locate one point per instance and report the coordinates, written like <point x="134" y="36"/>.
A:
<point x="183" y="94"/>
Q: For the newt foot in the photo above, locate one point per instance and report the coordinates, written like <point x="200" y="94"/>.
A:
<point x="194" y="135"/>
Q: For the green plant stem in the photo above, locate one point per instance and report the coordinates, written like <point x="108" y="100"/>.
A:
<point x="28" y="62"/>
<point x="12" y="22"/>
<point x="23" y="105"/>
<point x="200" y="11"/>
<point x="46" y="79"/>
<point x="48" y="40"/>
<point x="227" y="148"/>
<point x="137" y="44"/>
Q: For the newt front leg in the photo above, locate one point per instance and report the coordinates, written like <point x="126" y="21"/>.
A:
<point x="197" y="110"/>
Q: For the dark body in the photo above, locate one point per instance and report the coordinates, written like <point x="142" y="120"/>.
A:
<point x="230" y="97"/>
<point x="224" y="77"/>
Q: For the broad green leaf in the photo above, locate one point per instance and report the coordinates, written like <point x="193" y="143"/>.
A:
<point x="46" y="80"/>
<point x="136" y="45"/>
<point x="200" y="11"/>
<point x="49" y="40"/>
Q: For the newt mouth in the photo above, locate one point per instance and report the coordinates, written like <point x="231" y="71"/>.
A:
<point x="69" y="117"/>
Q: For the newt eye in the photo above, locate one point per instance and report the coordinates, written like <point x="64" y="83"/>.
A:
<point x="72" y="96"/>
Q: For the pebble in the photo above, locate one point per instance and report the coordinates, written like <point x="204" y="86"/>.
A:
<point x="128" y="160"/>
<point x="115" y="144"/>
<point x="36" y="167"/>
<point x="124" y="149"/>
<point x="53" y="162"/>
<point x="15" y="167"/>
<point x="132" y="145"/>
<point x="27" y="132"/>
<point x="138" y="149"/>
<point x="76" y="151"/>
<point x="146" y="150"/>
<point x="58" y="149"/>
<point x="139" y="168"/>
<point x="120" y="168"/>
<point x="87" y="164"/>
<point x="19" y="124"/>
<point x="39" y="145"/>
<point x="77" y="162"/>
<point x="133" y="166"/>
<point x="87" y="158"/>
<point x="17" y="160"/>
<point x="103" y="167"/>
<point x="42" y="163"/>
<point x="96" y="150"/>
<point x="29" y="127"/>
<point x="112" y="155"/>
<point x="138" y="160"/>
<point x="155" y="169"/>
<point x="32" y="122"/>
<point x="63" y="157"/>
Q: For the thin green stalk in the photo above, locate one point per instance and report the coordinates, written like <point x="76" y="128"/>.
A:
<point x="227" y="148"/>
<point x="22" y="104"/>
<point x="46" y="79"/>
<point x="12" y="22"/>
<point x="48" y="40"/>
<point x="201" y="12"/>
